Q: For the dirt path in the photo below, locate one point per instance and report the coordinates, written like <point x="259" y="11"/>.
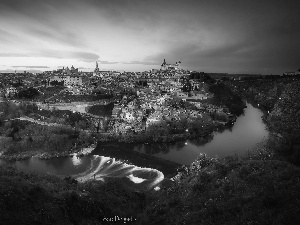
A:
<point x="43" y="123"/>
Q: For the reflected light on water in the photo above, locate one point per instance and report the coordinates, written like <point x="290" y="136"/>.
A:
<point x="136" y="180"/>
<point x="101" y="167"/>
<point x="245" y="134"/>
<point x="157" y="188"/>
<point x="76" y="160"/>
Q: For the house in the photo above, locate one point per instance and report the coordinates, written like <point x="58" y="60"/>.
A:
<point x="77" y="91"/>
<point x="132" y="105"/>
<point x="182" y="95"/>
<point x="194" y="113"/>
<point x="116" y="111"/>
<point x="118" y="127"/>
<point x="127" y="116"/>
<point x="106" y="79"/>
<point x="290" y="73"/>
<point x="69" y="80"/>
<point x="11" y="91"/>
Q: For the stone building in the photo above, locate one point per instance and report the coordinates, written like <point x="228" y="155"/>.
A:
<point x="69" y="77"/>
<point x="165" y="66"/>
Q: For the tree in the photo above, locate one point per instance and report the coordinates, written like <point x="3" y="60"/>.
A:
<point x="82" y="124"/>
<point x="28" y="93"/>
<point x="10" y="110"/>
<point x="157" y="131"/>
<point x="223" y="95"/>
<point x="187" y="86"/>
<point x="201" y="77"/>
<point x="73" y="118"/>
<point x="285" y="117"/>
<point x="28" y="108"/>
<point x="175" y="103"/>
<point x="56" y="83"/>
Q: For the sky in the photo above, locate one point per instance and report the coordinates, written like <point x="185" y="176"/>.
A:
<point x="230" y="36"/>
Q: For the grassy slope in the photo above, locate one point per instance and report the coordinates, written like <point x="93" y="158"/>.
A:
<point x="210" y="191"/>
<point x="26" y="139"/>
<point x="43" y="199"/>
<point x="232" y="192"/>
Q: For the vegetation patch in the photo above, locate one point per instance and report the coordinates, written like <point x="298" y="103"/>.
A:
<point x="101" y="110"/>
<point x="36" y="198"/>
<point x="229" y="191"/>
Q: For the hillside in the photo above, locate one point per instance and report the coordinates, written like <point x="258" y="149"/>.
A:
<point x="44" y="199"/>
<point x="210" y="191"/>
<point x="230" y="192"/>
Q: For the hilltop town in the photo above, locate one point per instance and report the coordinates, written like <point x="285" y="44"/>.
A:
<point x="121" y="102"/>
<point x="161" y="105"/>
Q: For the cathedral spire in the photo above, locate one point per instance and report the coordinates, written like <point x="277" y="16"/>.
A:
<point x="96" y="70"/>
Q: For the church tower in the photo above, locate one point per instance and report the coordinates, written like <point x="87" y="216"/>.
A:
<point x="179" y="64"/>
<point x="164" y="65"/>
<point x="96" y="70"/>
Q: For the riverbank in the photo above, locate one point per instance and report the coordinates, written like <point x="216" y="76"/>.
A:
<point x="145" y="137"/>
<point x="80" y="152"/>
<point x="139" y="160"/>
<point x="29" y="137"/>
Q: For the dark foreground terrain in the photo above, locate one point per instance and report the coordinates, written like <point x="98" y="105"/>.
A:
<point x="210" y="191"/>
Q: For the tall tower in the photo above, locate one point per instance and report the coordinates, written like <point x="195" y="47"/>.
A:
<point x="96" y="70"/>
<point x="179" y="64"/>
<point x="164" y="65"/>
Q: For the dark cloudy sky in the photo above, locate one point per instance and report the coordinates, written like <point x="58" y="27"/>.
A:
<point x="234" y="36"/>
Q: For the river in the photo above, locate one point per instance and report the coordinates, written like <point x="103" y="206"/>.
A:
<point x="246" y="133"/>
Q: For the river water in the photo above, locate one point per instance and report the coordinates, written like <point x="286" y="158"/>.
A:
<point x="245" y="134"/>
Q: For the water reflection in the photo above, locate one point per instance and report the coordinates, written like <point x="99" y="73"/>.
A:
<point x="58" y="166"/>
<point x="201" y="141"/>
<point x="225" y="128"/>
<point x="154" y="148"/>
<point x="247" y="131"/>
<point x="102" y="167"/>
<point x="76" y="160"/>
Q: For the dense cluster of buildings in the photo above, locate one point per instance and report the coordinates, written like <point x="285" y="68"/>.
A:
<point x="152" y="90"/>
<point x="69" y="77"/>
<point x="292" y="73"/>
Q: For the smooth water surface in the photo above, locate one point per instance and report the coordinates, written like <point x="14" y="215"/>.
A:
<point x="66" y="166"/>
<point x="245" y="134"/>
